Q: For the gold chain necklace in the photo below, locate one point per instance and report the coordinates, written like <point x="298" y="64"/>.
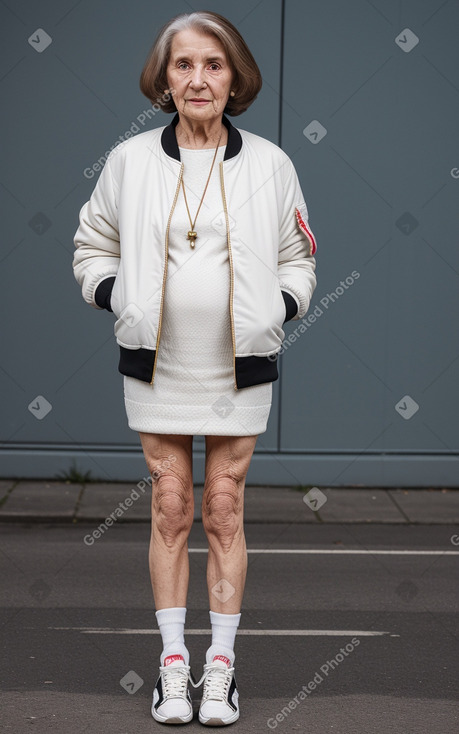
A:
<point x="192" y="234"/>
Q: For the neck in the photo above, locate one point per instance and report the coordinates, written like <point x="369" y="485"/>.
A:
<point x="200" y="134"/>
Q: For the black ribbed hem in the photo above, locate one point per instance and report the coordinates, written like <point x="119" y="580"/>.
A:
<point x="137" y="363"/>
<point x="256" y="370"/>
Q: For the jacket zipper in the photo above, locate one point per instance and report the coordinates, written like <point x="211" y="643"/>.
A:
<point x="165" y="270"/>
<point x="230" y="254"/>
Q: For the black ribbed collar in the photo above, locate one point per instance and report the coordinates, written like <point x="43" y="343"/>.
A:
<point x="170" y="145"/>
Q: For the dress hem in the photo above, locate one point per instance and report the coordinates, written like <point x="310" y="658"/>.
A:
<point x="189" y="420"/>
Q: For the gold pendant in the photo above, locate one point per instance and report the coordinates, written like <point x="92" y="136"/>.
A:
<point x="192" y="237"/>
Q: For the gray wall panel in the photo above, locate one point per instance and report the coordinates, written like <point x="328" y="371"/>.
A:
<point x="384" y="163"/>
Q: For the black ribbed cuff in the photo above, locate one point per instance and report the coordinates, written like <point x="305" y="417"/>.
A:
<point x="104" y="291"/>
<point x="290" y="306"/>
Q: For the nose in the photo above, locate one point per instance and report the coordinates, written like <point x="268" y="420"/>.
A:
<point x="197" y="78"/>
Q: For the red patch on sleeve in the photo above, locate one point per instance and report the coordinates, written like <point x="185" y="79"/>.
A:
<point x="304" y="228"/>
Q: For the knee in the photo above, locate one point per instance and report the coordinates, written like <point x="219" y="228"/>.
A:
<point x="222" y="509"/>
<point x="172" y="507"/>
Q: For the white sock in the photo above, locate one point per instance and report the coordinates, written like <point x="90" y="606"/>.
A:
<point x="171" y="623"/>
<point x="224" y="628"/>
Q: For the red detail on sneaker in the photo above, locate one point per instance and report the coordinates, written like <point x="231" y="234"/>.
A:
<point x="226" y="660"/>
<point x="172" y="658"/>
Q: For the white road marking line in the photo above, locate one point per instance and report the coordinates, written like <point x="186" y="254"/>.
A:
<point x="279" y="633"/>
<point x="344" y="551"/>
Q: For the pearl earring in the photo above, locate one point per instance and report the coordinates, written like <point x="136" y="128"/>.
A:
<point x="232" y="93"/>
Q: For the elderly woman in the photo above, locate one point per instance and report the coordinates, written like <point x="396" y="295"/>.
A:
<point x="196" y="236"/>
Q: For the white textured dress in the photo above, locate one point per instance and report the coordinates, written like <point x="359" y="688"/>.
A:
<point x="193" y="391"/>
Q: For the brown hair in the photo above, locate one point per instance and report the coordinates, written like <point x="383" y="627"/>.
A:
<point x="247" y="79"/>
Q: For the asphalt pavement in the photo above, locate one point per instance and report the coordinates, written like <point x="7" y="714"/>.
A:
<point x="349" y="624"/>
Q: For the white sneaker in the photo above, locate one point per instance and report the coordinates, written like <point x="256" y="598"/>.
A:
<point x="219" y="705"/>
<point x="171" y="696"/>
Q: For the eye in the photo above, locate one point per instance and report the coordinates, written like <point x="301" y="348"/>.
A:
<point x="214" y="66"/>
<point x="182" y="65"/>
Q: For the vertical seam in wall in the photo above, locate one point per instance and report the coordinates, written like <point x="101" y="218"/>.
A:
<point x="281" y="70"/>
<point x="281" y="87"/>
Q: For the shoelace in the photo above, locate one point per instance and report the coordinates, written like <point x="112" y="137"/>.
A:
<point x="217" y="681"/>
<point x="175" y="679"/>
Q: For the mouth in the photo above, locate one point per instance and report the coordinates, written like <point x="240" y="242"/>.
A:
<point x="198" y="100"/>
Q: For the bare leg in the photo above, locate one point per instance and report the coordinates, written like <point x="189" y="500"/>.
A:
<point x="227" y="462"/>
<point x="169" y="461"/>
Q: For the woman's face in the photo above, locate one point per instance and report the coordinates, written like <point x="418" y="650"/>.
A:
<point x="200" y="75"/>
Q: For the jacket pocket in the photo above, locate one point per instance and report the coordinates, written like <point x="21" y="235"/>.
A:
<point x="278" y="314"/>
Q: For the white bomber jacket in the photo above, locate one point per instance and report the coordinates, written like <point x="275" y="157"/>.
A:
<point x="121" y="243"/>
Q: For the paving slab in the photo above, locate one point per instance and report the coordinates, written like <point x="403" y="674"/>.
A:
<point x="126" y="500"/>
<point x="356" y="505"/>
<point x="41" y="500"/>
<point x="428" y="505"/>
<point x="5" y="486"/>
<point x="277" y="504"/>
<point x="268" y="504"/>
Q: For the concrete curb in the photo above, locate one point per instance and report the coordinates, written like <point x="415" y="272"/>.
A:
<point x="42" y="501"/>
